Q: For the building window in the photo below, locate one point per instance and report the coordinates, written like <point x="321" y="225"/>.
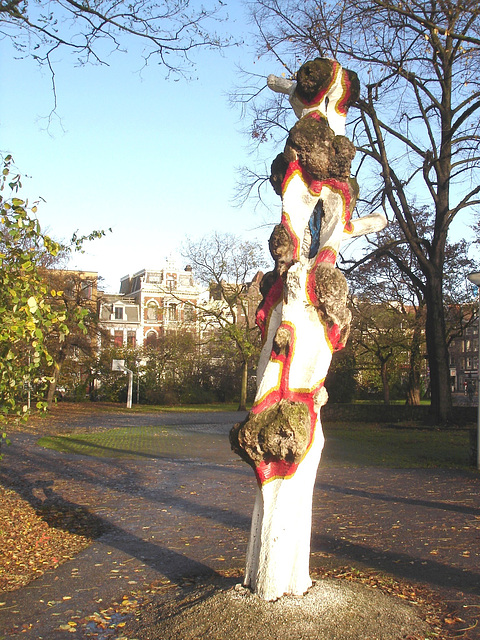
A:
<point x="152" y="312"/>
<point x="151" y="339"/>
<point x="189" y="312"/>
<point x="118" y="313"/>
<point x="131" y="339"/>
<point x="171" y="283"/>
<point x="87" y="290"/>
<point x="172" y="313"/>
<point x="118" y="339"/>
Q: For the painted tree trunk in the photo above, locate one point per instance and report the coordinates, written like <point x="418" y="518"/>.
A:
<point x="303" y="318"/>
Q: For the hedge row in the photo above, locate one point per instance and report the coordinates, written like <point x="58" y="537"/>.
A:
<point x="392" y="413"/>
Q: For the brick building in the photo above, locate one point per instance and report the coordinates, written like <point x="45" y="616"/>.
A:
<point x="463" y="352"/>
<point x="150" y="302"/>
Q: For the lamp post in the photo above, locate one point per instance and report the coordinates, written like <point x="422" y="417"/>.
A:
<point x="475" y="279"/>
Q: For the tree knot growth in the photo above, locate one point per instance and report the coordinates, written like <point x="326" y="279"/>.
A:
<point x="280" y="432"/>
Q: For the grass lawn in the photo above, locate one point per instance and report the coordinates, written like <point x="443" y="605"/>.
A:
<point x="138" y="442"/>
<point x="155" y="408"/>
<point x="395" y="446"/>
<point x="347" y="444"/>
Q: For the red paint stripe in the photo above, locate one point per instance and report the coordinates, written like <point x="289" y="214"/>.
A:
<point x="276" y="469"/>
<point x="293" y="236"/>
<point x="264" y="312"/>
<point x="325" y="255"/>
<point x="341" y="106"/>
<point x="315" y="186"/>
<point x="266" y="471"/>
<point x="334" y="337"/>
<point x="316" y="115"/>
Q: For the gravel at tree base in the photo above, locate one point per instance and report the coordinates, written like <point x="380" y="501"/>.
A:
<point x="331" y="610"/>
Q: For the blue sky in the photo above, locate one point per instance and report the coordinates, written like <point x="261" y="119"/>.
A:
<point x="153" y="159"/>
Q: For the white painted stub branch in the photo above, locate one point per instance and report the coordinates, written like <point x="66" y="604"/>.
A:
<point x="303" y="319"/>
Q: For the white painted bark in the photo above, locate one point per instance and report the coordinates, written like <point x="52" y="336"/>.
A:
<point x="279" y="548"/>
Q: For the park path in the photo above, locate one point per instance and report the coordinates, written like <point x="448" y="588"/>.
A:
<point x="177" y="518"/>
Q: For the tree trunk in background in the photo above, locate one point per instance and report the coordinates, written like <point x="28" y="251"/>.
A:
<point x="52" y="387"/>
<point x="415" y="365"/>
<point x="385" y="383"/>
<point x="437" y="352"/>
<point x="243" y="389"/>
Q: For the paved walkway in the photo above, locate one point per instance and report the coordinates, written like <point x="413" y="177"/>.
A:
<point x="179" y="518"/>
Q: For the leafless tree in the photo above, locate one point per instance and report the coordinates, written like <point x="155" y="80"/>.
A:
<point x="388" y="274"/>
<point x="226" y="264"/>
<point x="416" y="124"/>
<point x="90" y="30"/>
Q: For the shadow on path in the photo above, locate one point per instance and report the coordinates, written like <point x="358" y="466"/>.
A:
<point x="402" y="565"/>
<point x="371" y="495"/>
<point x="96" y="575"/>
